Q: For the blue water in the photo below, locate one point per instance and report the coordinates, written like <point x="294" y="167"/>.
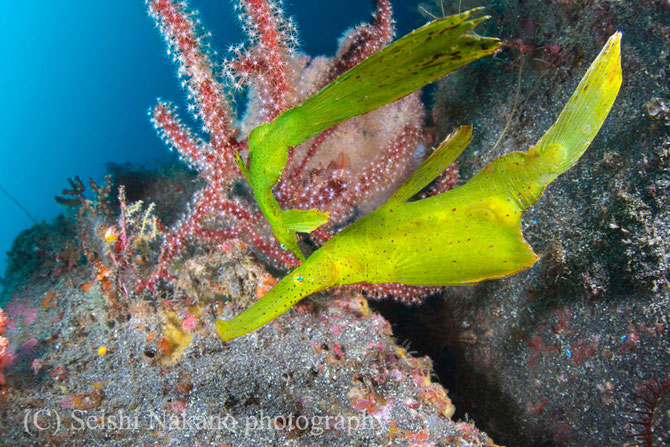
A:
<point x="77" y="78"/>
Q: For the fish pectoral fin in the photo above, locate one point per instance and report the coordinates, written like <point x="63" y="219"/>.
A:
<point x="445" y="154"/>
<point x="304" y="221"/>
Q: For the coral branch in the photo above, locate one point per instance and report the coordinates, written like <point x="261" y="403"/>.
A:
<point x="196" y="68"/>
<point x="365" y="40"/>
<point x="73" y="197"/>
<point x="168" y="125"/>
<point x="264" y="66"/>
<point x="409" y="294"/>
<point x="374" y="181"/>
<point x="206" y="202"/>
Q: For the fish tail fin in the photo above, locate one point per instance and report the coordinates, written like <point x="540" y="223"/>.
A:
<point x="579" y="122"/>
<point x="524" y="176"/>
<point x="408" y="64"/>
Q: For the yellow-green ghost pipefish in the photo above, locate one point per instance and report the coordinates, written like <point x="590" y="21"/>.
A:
<point x="413" y="61"/>
<point x="462" y="236"/>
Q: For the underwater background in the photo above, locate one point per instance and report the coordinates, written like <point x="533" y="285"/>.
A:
<point x="79" y="77"/>
<point x="571" y="352"/>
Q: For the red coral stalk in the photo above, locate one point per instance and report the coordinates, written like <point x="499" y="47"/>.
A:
<point x="365" y="39"/>
<point x="265" y="64"/>
<point x="168" y="125"/>
<point x="196" y="68"/>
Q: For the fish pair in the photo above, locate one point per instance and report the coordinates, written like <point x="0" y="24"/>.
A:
<point x="462" y="236"/>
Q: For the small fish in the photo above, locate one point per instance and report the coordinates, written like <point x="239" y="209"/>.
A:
<point x="413" y="61"/>
<point x="462" y="236"/>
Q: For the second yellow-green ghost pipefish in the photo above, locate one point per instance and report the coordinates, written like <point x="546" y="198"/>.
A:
<point x="465" y="235"/>
<point x="413" y="61"/>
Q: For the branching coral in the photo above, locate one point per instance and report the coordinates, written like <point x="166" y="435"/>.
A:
<point x="346" y="170"/>
<point x="649" y="416"/>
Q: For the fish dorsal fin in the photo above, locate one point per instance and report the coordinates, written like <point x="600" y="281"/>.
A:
<point x="445" y="154"/>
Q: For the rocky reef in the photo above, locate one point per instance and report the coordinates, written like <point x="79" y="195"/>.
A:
<point x="575" y="350"/>
<point x="571" y="352"/>
<point x="155" y="372"/>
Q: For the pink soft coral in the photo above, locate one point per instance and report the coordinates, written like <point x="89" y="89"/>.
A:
<point x="5" y="356"/>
